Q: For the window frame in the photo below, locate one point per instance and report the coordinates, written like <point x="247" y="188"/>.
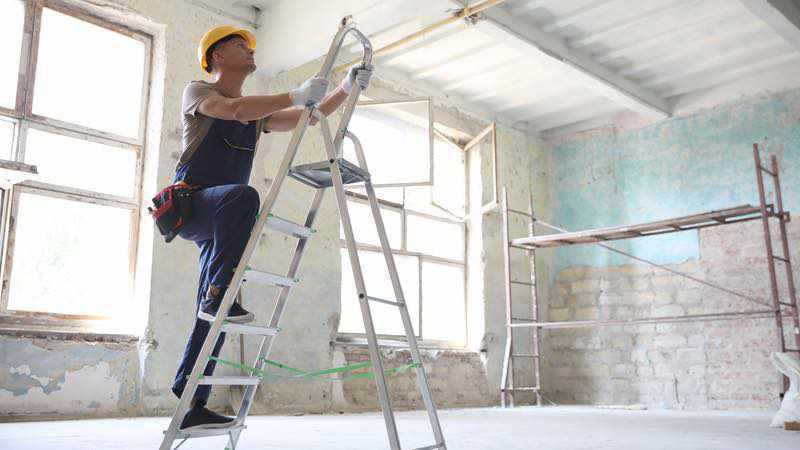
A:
<point x="449" y="217"/>
<point x="24" y="118"/>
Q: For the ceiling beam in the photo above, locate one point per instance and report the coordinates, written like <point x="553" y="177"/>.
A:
<point x="783" y="16"/>
<point x="530" y="39"/>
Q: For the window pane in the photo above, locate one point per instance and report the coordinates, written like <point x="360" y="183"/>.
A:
<point x="436" y="238"/>
<point x="78" y="267"/>
<point x="12" y="17"/>
<point x="444" y="315"/>
<point x="88" y="75"/>
<point x="396" y="141"/>
<point x="376" y="277"/>
<point x="6" y="140"/>
<point x="364" y="226"/>
<point x="449" y="180"/>
<point x="75" y="162"/>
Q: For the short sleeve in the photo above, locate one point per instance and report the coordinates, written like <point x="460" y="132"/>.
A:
<point x="194" y="94"/>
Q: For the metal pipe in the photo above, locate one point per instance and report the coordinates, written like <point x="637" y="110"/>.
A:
<point x="463" y="13"/>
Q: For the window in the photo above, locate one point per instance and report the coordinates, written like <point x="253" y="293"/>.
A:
<point x="77" y="113"/>
<point x="423" y="220"/>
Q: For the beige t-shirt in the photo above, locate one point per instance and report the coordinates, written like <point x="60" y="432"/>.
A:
<point x="195" y="124"/>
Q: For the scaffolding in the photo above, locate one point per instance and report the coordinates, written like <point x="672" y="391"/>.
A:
<point x="774" y="307"/>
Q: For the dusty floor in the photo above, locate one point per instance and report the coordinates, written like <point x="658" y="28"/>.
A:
<point x="548" y="428"/>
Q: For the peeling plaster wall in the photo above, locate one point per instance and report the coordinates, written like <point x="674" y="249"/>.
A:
<point x="677" y="167"/>
<point x="51" y="377"/>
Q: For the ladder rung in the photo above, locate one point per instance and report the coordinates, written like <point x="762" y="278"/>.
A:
<point x="525" y="355"/>
<point x="231" y="380"/>
<point x="388" y="302"/>
<point x="430" y="447"/>
<point x="766" y="170"/>
<point x="208" y="432"/>
<point x="239" y="328"/>
<point x="288" y="227"/>
<point x="520" y="389"/>
<point x="527" y="283"/>
<point x="780" y="258"/>
<point x="269" y="278"/>
<point x="524" y="319"/>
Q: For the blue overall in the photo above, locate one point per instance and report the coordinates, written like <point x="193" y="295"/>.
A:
<point x="223" y="214"/>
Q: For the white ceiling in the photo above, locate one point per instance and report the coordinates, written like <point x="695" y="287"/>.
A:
<point x="555" y="66"/>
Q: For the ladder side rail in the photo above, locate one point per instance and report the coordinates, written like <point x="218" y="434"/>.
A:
<point x="369" y="327"/>
<point x="537" y="348"/>
<point x="507" y="281"/>
<point x="422" y="380"/>
<point x="782" y="219"/>
<point x="280" y="303"/>
<point x="770" y="256"/>
<point x="265" y="348"/>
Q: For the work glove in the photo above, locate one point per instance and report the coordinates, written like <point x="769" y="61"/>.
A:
<point x="359" y="75"/>
<point x="311" y="92"/>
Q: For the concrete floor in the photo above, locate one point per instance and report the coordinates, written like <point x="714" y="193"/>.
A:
<point x="551" y="428"/>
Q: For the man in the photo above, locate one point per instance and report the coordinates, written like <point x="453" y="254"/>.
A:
<point x="220" y="133"/>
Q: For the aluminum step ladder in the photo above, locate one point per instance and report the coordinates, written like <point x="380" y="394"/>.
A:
<point x="507" y="387"/>
<point x="334" y="172"/>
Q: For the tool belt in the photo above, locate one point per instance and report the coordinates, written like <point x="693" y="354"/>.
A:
<point x="172" y="208"/>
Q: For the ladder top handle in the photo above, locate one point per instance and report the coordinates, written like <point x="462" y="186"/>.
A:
<point x="347" y="26"/>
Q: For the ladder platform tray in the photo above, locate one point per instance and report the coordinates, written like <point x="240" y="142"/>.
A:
<point x="318" y="174"/>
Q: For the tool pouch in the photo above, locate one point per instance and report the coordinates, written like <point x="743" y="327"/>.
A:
<point x="172" y="208"/>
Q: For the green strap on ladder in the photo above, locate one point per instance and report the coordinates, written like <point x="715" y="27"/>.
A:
<point x="318" y="374"/>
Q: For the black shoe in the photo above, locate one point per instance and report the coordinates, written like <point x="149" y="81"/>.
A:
<point x="202" y="417"/>
<point x="237" y="314"/>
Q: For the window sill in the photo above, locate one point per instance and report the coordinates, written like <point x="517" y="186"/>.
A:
<point x="52" y="326"/>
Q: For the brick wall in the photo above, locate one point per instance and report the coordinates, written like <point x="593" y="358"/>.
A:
<point x="456" y="379"/>
<point x="718" y="365"/>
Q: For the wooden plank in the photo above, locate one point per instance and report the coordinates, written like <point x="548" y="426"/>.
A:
<point x="694" y="221"/>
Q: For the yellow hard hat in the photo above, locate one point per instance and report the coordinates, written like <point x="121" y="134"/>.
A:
<point x="213" y="35"/>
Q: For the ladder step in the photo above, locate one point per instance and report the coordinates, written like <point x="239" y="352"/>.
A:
<point x="525" y="355"/>
<point x="430" y="447"/>
<point x="318" y="174"/>
<point x="766" y="170"/>
<point x="780" y="258"/>
<point x="208" y="432"/>
<point x="528" y="388"/>
<point x="269" y="278"/>
<point x="288" y="227"/>
<point x="388" y="302"/>
<point x="231" y="380"/>
<point x="527" y="283"/>
<point x="238" y="328"/>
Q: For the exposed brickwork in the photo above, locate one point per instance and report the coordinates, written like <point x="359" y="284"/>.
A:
<point x="723" y="364"/>
<point x="456" y="378"/>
